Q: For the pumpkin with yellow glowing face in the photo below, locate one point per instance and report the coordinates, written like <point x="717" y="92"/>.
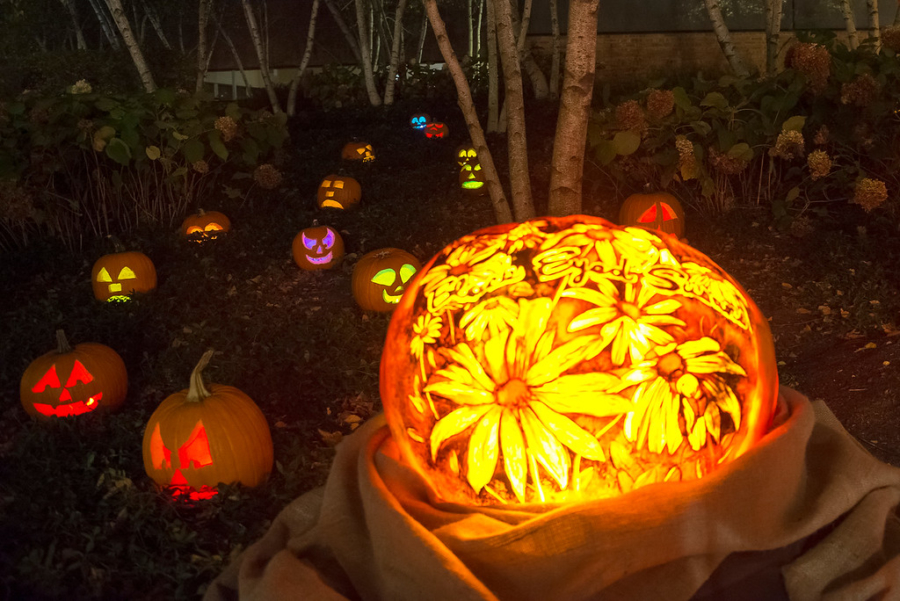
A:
<point x="317" y="247"/>
<point x="565" y="359"/>
<point x="204" y="435"/>
<point x="338" y="192"/>
<point x="380" y="277"/>
<point x="73" y="381"/>
<point x="205" y="225"/>
<point x="657" y="211"/>
<point x="419" y="120"/>
<point x="358" y="151"/>
<point x="471" y="179"/>
<point x="437" y="130"/>
<point x="466" y="155"/>
<point x="115" y="277"/>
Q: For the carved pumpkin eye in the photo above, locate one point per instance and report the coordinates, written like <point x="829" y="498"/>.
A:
<point x="668" y="213"/>
<point x="360" y="150"/>
<point x="406" y="272"/>
<point x="326" y="183"/>
<point x="126" y="274"/>
<point x="339" y="184"/>
<point x="160" y="456"/>
<point x="386" y="277"/>
<point x="195" y="452"/>
<point x="309" y="243"/>
<point x="191" y="230"/>
<point x="48" y="379"/>
<point x="103" y="276"/>
<point x="648" y="216"/>
<point x="79" y="374"/>
<point x="328" y="240"/>
<point x="213" y="227"/>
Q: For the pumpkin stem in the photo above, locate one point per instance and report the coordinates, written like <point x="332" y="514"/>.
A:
<point x="201" y="212"/>
<point x="198" y="391"/>
<point x="62" y="344"/>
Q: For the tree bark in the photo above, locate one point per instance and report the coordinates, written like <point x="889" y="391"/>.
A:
<point x="519" y="175"/>
<point x="471" y="25"/>
<point x="872" y="6"/>
<point x="478" y="28"/>
<point x="121" y="21"/>
<point x="493" y="120"/>
<point x="79" y="34"/>
<point x="395" y="53"/>
<point x="498" y="200"/>
<point x="897" y="16"/>
<point x="307" y="52"/>
<point x="203" y="10"/>
<point x="724" y="38"/>
<point x="423" y="31"/>
<point x="342" y="25"/>
<point x="852" y="36"/>
<point x="105" y="24"/>
<point x="237" y="57"/>
<point x="260" y="55"/>
<point x="554" y="61"/>
<point x="153" y="16"/>
<point x="567" y="166"/>
<point x="773" y="32"/>
<point x="374" y="98"/>
<point x="523" y="50"/>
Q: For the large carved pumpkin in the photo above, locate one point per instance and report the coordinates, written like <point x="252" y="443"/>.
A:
<point x="205" y="435"/>
<point x="338" y="192"/>
<point x="205" y="225"/>
<point x="563" y="359"/>
<point x="115" y="277"/>
<point x="380" y="277"/>
<point x="317" y="247"/>
<point x="73" y="381"/>
<point x="656" y="210"/>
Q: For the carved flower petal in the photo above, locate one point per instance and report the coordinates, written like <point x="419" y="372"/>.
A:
<point x="568" y="432"/>
<point x="455" y="422"/>
<point x="593" y="317"/>
<point x="718" y="363"/>
<point x="548" y="451"/>
<point x="459" y="393"/>
<point x="515" y="463"/>
<point x="463" y="355"/>
<point x="484" y="449"/>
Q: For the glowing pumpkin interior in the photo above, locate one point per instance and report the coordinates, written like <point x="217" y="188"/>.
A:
<point x="566" y="359"/>
<point x="193" y="454"/>
<point x="67" y="405"/>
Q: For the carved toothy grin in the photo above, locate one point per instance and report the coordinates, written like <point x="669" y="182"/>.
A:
<point x="390" y="298"/>
<point x="320" y="260"/>
<point x="69" y="409"/>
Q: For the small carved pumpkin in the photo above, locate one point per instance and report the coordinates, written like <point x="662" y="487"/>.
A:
<point x="466" y="155"/>
<point x="116" y="276"/>
<point x="566" y="359"/>
<point x="358" y="151"/>
<point x="419" y="120"/>
<point x="205" y="435"/>
<point x="436" y="130"/>
<point x="317" y="247"/>
<point x="205" y="225"/>
<point x="68" y="382"/>
<point x="338" y="192"/>
<point x="657" y="211"/>
<point x="380" y="277"/>
<point x="471" y="179"/>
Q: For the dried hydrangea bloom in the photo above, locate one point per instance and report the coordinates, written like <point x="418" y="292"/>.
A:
<point x="660" y="104"/>
<point x="819" y="164"/>
<point x="890" y="38"/>
<point x="228" y="127"/>
<point x="861" y="91"/>
<point x="200" y="166"/>
<point x="813" y="61"/>
<point x="725" y="164"/>
<point x="81" y="87"/>
<point x="869" y="193"/>
<point x="687" y="162"/>
<point x="821" y="136"/>
<point x="267" y="176"/>
<point x="16" y="203"/>
<point x="801" y="227"/>
<point x="789" y="145"/>
<point x="630" y="115"/>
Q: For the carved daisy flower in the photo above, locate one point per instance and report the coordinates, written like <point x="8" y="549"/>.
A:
<point x="426" y="330"/>
<point x="494" y="315"/>
<point x="682" y="379"/>
<point x="513" y="395"/>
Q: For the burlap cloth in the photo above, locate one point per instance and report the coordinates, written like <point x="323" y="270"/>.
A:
<point x="807" y="514"/>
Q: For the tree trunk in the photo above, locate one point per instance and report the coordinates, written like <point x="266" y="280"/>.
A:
<point x="852" y="36"/>
<point x="310" y="37"/>
<point x="523" y="50"/>
<point x="724" y="38"/>
<point x="493" y="120"/>
<point x="79" y="34"/>
<point x="260" y="54"/>
<point x="348" y="35"/>
<point x="897" y="16"/>
<point x="237" y="57"/>
<point x="105" y="24"/>
<point x="478" y="28"/>
<point x="567" y="166"/>
<point x="121" y="21"/>
<point x="203" y="11"/>
<point x="153" y="16"/>
<point x="872" y="5"/>
<point x="554" y="61"/>
<point x="424" y="31"/>
<point x="395" y="53"/>
<point x="773" y="32"/>
<point x="374" y="98"/>
<point x="471" y="24"/>
<point x="467" y="105"/>
<point x="519" y="175"/>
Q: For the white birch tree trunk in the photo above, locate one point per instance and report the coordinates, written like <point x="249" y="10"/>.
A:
<point x="307" y="52"/>
<point x="471" y="26"/>
<point x="554" y="60"/>
<point x="478" y="28"/>
<point x="567" y="166"/>
<point x="121" y="21"/>
<point x="79" y="34"/>
<point x="395" y="53"/>
<point x="423" y="32"/>
<point x="374" y="98"/>
<point x="773" y="32"/>
<point x="260" y="55"/>
<point x="498" y="200"/>
<point x="105" y="24"/>
<point x="872" y="6"/>
<point x="342" y="25"/>
<point x="237" y="57"/>
<point x="493" y="120"/>
<point x="203" y="10"/>
<point x="523" y="50"/>
<point x="852" y="36"/>
<point x="153" y="17"/>
<point x="723" y="36"/>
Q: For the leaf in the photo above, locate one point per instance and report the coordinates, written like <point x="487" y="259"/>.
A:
<point x="795" y="123"/>
<point x="715" y="100"/>
<point x="217" y="146"/>
<point x="193" y="150"/>
<point x="118" y="151"/>
<point x="106" y="104"/>
<point x="152" y="152"/>
<point x="164" y="95"/>
<point x="792" y="195"/>
<point x="605" y="151"/>
<point x="701" y="127"/>
<point x="179" y="136"/>
<point x="682" y="100"/>
<point x="626" y="142"/>
<point x="741" y="151"/>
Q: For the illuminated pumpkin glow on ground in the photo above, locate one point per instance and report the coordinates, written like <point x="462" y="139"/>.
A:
<point x="564" y="359"/>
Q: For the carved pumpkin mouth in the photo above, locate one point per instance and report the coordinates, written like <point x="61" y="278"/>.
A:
<point x="332" y="203"/>
<point x="118" y="298"/>
<point x="472" y="185"/>
<point x="392" y="299"/>
<point x="69" y="409"/>
<point x="320" y="260"/>
<point x="179" y="488"/>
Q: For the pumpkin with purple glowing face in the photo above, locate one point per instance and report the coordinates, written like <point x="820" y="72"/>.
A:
<point x="317" y="247"/>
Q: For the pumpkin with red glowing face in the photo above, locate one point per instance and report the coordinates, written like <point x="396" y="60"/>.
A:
<point x="338" y="192"/>
<point x="657" y="211"/>
<point x="436" y="130"/>
<point x="205" y="225"/>
<point x="202" y="436"/>
<point x="115" y="277"/>
<point x="68" y="382"/>
<point x="317" y="247"/>
<point x="566" y="359"/>
<point x="419" y="120"/>
<point x="380" y="277"/>
<point x="358" y="151"/>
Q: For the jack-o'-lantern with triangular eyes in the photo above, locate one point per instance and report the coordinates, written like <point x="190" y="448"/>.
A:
<point x="437" y="130"/>
<point x="471" y="179"/>
<point x="338" y="192"/>
<point x="115" y="277"/>
<point x="317" y="247"/>
<point x="380" y="277"/>
<point x="419" y="120"/>
<point x="205" y="225"/>
<point x="466" y="155"/>
<point x="358" y="151"/>
<point x="206" y="435"/>
<point x="72" y="381"/>
<point x="658" y="211"/>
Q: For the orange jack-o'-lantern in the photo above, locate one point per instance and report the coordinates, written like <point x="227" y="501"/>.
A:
<point x="436" y="130"/>
<point x="564" y="359"/>
<point x="317" y="247"/>
<point x="68" y="382"/>
<point x="471" y="179"/>
<point x="338" y="192"/>
<point x="657" y="211"/>
<point x="419" y="120"/>
<point x="358" y="151"/>
<point x="203" y="435"/>
<point x="380" y="277"/>
<point x="115" y="277"/>
<point x="205" y="225"/>
<point x="466" y="155"/>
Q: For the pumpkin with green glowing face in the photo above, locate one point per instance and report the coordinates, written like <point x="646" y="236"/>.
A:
<point x="358" y="151"/>
<point x="436" y="130"/>
<point x="205" y="225"/>
<point x="471" y="179"/>
<point x="419" y="120"/>
<point x="317" y="247"/>
<point x="381" y="276"/>
<point x="466" y="155"/>
<point x="338" y="192"/>
<point x="115" y="277"/>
